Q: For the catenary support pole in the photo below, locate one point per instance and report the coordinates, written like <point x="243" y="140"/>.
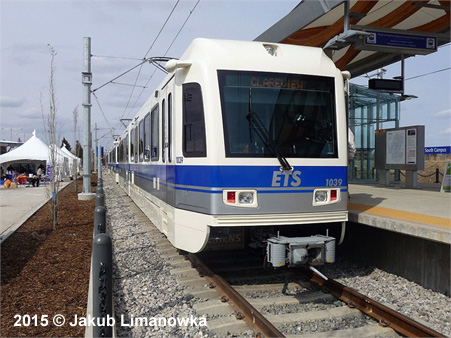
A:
<point x="96" y="154"/>
<point x="87" y="82"/>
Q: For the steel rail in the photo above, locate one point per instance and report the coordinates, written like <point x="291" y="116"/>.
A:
<point x="251" y="315"/>
<point x="386" y="316"/>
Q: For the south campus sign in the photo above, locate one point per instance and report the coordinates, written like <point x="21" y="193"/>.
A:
<point x="437" y="150"/>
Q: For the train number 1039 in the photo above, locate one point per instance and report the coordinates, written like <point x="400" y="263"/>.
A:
<point x="334" y="182"/>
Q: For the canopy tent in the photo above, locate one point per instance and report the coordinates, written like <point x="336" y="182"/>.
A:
<point x="36" y="152"/>
<point x="71" y="158"/>
<point x="32" y="150"/>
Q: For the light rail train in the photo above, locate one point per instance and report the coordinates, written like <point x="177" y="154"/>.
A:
<point x="243" y="143"/>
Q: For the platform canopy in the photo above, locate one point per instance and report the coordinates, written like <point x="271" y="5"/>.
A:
<point x="361" y="36"/>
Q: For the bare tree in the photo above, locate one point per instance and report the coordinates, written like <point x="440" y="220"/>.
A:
<point x="75" y="165"/>
<point x="49" y="112"/>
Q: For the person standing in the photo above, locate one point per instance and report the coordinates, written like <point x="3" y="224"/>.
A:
<point x="39" y="173"/>
<point x="351" y="146"/>
<point x="351" y="150"/>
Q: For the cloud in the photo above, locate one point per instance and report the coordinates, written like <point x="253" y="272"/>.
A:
<point x="444" y="114"/>
<point x="446" y="131"/>
<point x="31" y="113"/>
<point x="12" y="102"/>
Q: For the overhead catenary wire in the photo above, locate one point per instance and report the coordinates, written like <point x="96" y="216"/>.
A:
<point x="101" y="110"/>
<point x="167" y="50"/>
<point x="117" y="77"/>
<point x="115" y="57"/>
<point x="144" y="60"/>
<point x="181" y="28"/>
<point x="162" y="27"/>
<point x="139" y="72"/>
<point x="434" y="72"/>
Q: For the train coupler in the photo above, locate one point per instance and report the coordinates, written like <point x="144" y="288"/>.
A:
<point x="297" y="251"/>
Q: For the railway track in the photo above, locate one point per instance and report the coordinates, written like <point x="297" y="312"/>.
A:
<point x="284" y="311"/>
<point x="239" y="297"/>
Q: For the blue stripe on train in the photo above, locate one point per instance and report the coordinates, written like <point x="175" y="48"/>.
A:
<point x="199" y="177"/>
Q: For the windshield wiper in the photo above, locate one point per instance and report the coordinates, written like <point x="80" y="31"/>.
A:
<point x="262" y="132"/>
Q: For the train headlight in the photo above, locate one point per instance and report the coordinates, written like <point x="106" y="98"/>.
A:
<point x="320" y="196"/>
<point x="246" y="197"/>
<point x="240" y="198"/>
<point x="326" y="196"/>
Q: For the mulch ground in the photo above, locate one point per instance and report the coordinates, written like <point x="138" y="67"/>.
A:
<point x="45" y="272"/>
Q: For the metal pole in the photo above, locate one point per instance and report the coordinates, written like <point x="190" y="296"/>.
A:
<point x="87" y="82"/>
<point x="96" y="154"/>
<point x="99" y="166"/>
<point x="346" y="17"/>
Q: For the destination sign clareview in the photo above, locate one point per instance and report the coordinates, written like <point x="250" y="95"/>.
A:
<point x="273" y="82"/>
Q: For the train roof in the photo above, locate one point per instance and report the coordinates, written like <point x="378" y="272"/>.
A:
<point x="261" y="56"/>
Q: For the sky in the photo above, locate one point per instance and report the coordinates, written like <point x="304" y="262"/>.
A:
<point x="124" y="32"/>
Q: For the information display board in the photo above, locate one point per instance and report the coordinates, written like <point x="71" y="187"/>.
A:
<point x="400" y="148"/>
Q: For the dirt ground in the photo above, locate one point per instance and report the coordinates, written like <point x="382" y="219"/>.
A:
<point x="45" y="272"/>
<point x="431" y="163"/>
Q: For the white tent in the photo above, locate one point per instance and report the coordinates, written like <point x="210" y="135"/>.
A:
<point x="36" y="152"/>
<point x="71" y="158"/>
<point x="33" y="150"/>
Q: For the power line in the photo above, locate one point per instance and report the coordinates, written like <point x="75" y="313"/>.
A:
<point x="98" y="103"/>
<point x="162" y="27"/>
<point x="139" y="73"/>
<point x="115" y="57"/>
<point x="167" y="50"/>
<point x="117" y="77"/>
<point x="437" y="71"/>
<point x="181" y="28"/>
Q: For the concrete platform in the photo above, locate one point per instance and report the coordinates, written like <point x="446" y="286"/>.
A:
<point x="17" y="205"/>
<point x="423" y="213"/>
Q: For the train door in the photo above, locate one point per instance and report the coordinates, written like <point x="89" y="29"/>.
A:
<point x="166" y="156"/>
<point x="168" y="144"/>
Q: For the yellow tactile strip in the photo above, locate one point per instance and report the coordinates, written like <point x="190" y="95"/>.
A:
<point x="404" y="215"/>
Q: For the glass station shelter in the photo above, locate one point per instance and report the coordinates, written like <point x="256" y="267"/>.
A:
<point x="369" y="110"/>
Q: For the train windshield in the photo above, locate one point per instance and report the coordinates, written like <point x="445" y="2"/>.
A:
<point x="274" y="114"/>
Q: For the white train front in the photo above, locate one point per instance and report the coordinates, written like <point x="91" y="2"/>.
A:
<point x="244" y="141"/>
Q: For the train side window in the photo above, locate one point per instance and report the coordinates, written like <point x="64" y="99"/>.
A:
<point x="141" y="140"/>
<point x="169" y="127"/>
<point x="132" y="145"/>
<point x="194" y="143"/>
<point x="136" y="140"/>
<point x="154" y="133"/>
<point x="126" y="156"/>
<point x="146" y="138"/>
<point x="162" y="129"/>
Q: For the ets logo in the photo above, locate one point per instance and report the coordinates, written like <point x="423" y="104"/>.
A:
<point x="286" y="179"/>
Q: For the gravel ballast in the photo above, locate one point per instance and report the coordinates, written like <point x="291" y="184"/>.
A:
<point x="430" y="308"/>
<point x="144" y="286"/>
<point x="144" y="289"/>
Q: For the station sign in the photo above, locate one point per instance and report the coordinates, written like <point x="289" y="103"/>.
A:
<point x="398" y="42"/>
<point x="437" y="150"/>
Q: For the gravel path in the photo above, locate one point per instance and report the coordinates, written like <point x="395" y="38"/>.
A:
<point x="143" y="286"/>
